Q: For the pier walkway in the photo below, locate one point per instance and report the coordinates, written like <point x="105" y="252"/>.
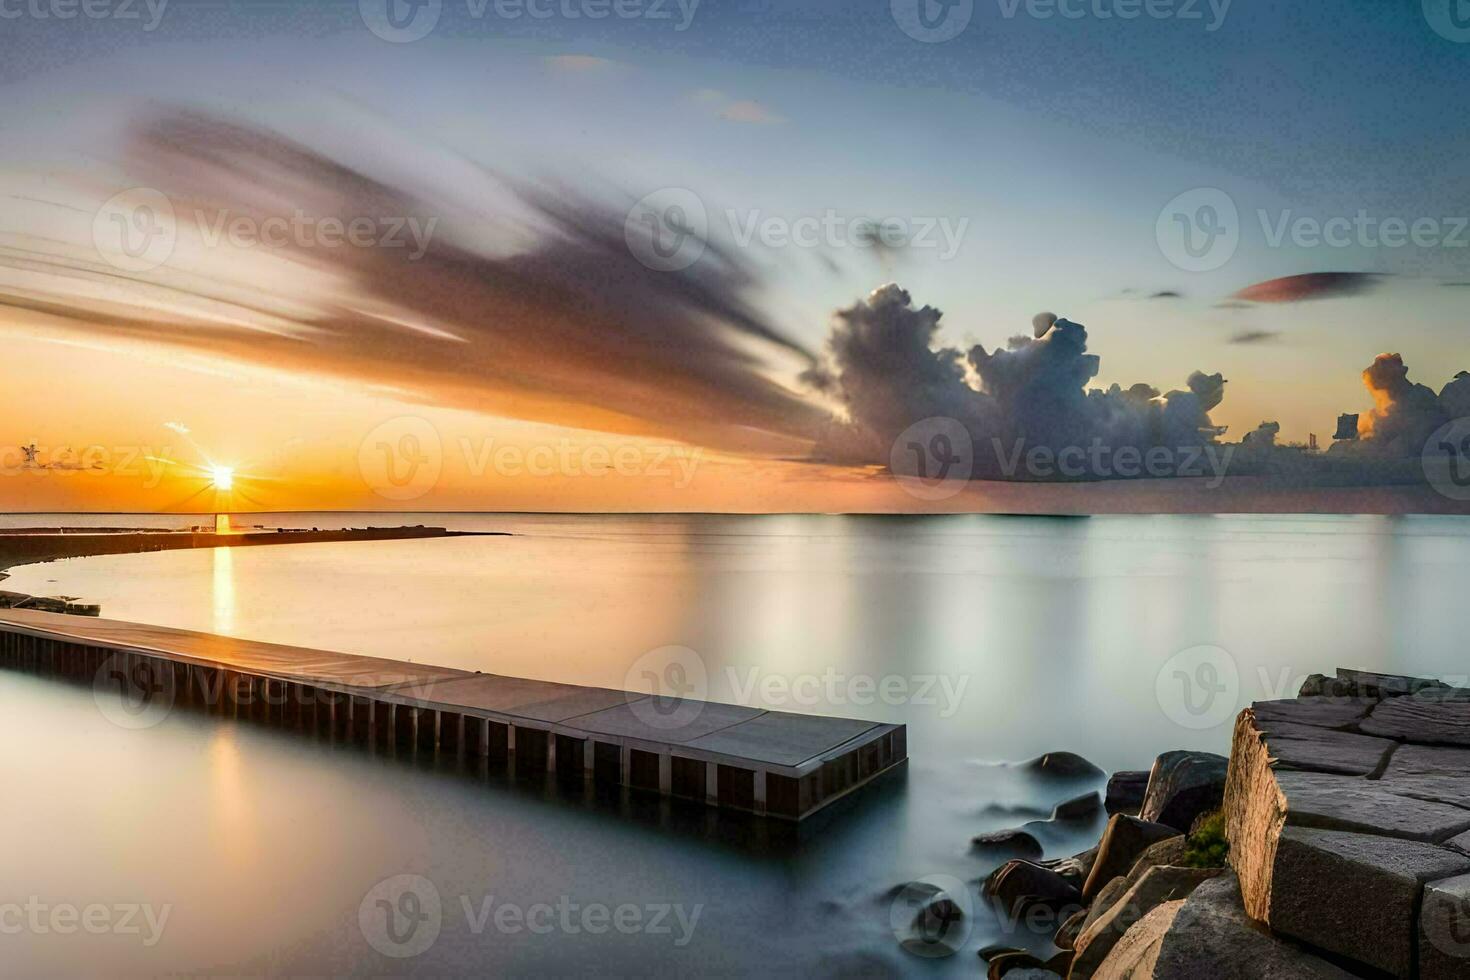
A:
<point x="774" y="763"/>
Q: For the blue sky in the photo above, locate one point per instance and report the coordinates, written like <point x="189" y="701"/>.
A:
<point x="1056" y="141"/>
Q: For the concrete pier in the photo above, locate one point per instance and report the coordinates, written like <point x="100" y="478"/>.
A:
<point x="774" y="763"/>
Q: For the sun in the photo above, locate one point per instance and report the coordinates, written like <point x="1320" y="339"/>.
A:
<point x="223" y="477"/>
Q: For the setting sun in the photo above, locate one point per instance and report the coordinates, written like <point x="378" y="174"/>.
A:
<point x="223" y="477"/>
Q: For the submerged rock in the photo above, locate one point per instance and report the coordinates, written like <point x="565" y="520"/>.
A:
<point x="1063" y="764"/>
<point x="1078" y="807"/>
<point x="1018" y="842"/>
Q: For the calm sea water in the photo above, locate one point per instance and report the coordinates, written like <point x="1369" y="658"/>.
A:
<point x="993" y="638"/>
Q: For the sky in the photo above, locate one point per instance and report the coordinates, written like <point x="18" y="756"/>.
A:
<point x="854" y="207"/>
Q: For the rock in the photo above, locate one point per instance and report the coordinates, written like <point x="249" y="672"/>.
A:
<point x="1157" y="886"/>
<point x="1183" y="785"/>
<point x="1318" y="712"/>
<point x="1422" y="717"/>
<point x="1304" y="747"/>
<point x="1011" y="965"/>
<point x="1078" y="807"/>
<point x="1017" y="842"/>
<point x="1067" y="765"/>
<point x="1125" y="792"/>
<point x="1209" y="936"/>
<point x="1427" y="772"/>
<point x="1066" y="935"/>
<point x="1032" y="973"/>
<point x="1061" y="963"/>
<point x="1355" y="894"/>
<point x="938" y="917"/>
<point x="1444" y="930"/>
<point x="1261" y="801"/>
<point x="1124" y="840"/>
<point x="1019" y="885"/>
<point x="992" y="951"/>
<point x="1366" y="683"/>
<point x="1074" y="869"/>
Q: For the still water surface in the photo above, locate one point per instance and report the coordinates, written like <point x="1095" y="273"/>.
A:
<point x="993" y="638"/>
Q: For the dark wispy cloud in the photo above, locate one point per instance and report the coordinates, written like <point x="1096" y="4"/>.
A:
<point x="1312" y="285"/>
<point x="1255" y="336"/>
<point x="570" y="329"/>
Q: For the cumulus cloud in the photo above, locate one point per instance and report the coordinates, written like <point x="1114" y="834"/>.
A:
<point x="1312" y="285"/>
<point x="885" y="371"/>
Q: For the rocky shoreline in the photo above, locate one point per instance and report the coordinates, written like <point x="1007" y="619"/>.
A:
<point x="1334" y="842"/>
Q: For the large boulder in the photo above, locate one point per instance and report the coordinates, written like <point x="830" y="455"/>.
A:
<point x="1444" y="930"/>
<point x="1157" y="886"/>
<point x="1124" y="840"/>
<point x="1165" y="854"/>
<point x="1020" y="885"/>
<point x="1432" y="716"/>
<point x="1208" y="935"/>
<point x="1125" y="792"/>
<point x="1328" y="886"/>
<point x="1182" y="786"/>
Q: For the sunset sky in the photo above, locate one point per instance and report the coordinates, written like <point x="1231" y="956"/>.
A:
<point x="499" y="339"/>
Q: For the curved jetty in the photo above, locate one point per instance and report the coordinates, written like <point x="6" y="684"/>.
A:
<point x="767" y="762"/>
